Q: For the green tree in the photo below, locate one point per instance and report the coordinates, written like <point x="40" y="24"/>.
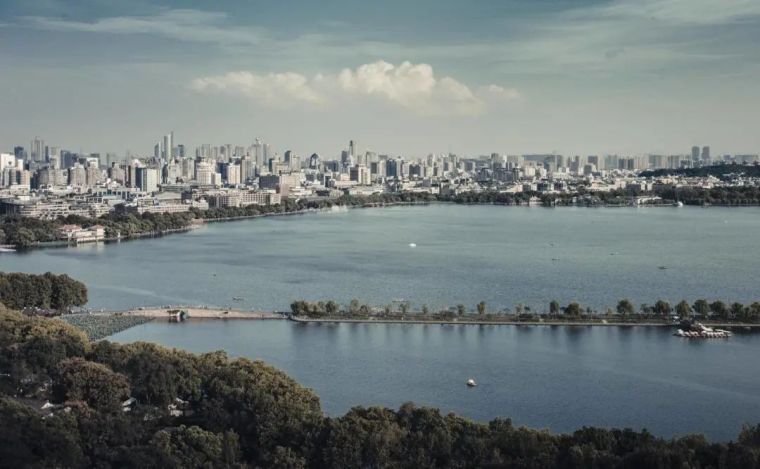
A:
<point x="425" y="310"/>
<point x="719" y="309"/>
<point x="625" y="307"/>
<point x="701" y="307"/>
<point x="683" y="309"/>
<point x="573" y="309"/>
<point x="77" y="379"/>
<point x="737" y="310"/>
<point x="460" y="309"/>
<point x="482" y="308"/>
<point x="554" y="307"/>
<point x="662" y="308"/>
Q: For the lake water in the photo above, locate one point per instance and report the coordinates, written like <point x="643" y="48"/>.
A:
<point x="543" y="377"/>
<point x="463" y="254"/>
<point x="554" y="377"/>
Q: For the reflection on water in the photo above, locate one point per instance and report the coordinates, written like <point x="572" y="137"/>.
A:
<point x="543" y="376"/>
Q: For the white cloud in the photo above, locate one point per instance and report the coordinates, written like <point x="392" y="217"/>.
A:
<point x="414" y="87"/>
<point x="275" y="89"/>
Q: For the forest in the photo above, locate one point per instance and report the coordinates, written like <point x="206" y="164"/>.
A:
<point x="69" y="402"/>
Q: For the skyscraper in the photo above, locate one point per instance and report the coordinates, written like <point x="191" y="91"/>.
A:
<point x="695" y="153"/>
<point x="706" y="153"/>
<point x="37" y="152"/>
<point x="168" y="146"/>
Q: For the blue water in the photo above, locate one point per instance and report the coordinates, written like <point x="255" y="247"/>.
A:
<point x="464" y="254"/>
<point x="548" y="377"/>
<point x="544" y="377"/>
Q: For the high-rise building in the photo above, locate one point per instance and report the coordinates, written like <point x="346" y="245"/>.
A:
<point x="706" y="153"/>
<point x="695" y="153"/>
<point x="147" y="179"/>
<point x="37" y="152"/>
<point x="168" y="147"/>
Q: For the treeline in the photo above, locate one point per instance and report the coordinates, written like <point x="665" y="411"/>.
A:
<point x="46" y="291"/>
<point x="141" y="405"/>
<point x="624" y="311"/>
<point x="721" y="171"/>
<point x="25" y="232"/>
<point x="731" y="195"/>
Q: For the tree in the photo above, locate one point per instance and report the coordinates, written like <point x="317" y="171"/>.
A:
<point x="460" y="309"/>
<point x="662" y="308"/>
<point x="701" y="307"/>
<point x="573" y="309"/>
<point x="625" y="307"/>
<point x="683" y="309"/>
<point x="77" y="379"/>
<point x="331" y="308"/>
<point x="482" y="308"/>
<point x="719" y="309"/>
<point x="737" y="310"/>
<point x="554" y="307"/>
<point x="404" y="307"/>
<point x="353" y="306"/>
<point x="425" y="310"/>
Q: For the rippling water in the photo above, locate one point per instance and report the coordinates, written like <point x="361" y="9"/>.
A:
<point x="554" y="377"/>
<point x="544" y="376"/>
<point x="463" y="254"/>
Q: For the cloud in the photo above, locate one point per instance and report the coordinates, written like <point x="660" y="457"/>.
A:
<point x="414" y="87"/>
<point x="275" y="89"/>
<point x="182" y="24"/>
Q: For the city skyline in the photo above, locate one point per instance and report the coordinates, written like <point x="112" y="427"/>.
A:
<point x="596" y="77"/>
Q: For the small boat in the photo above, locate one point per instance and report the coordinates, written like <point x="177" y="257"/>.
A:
<point x="412" y="245"/>
<point x="679" y="204"/>
<point x="237" y="298"/>
<point x="471" y="383"/>
<point x="662" y="267"/>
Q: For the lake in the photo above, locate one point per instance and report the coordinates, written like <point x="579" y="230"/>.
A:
<point x="542" y="376"/>
<point x="554" y="377"/>
<point x="463" y="254"/>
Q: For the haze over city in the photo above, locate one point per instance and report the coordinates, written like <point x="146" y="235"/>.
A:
<point x="589" y="77"/>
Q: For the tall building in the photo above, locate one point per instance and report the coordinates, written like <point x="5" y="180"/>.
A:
<point x="147" y="179"/>
<point x="695" y="153"/>
<point x="37" y="151"/>
<point x="168" y="146"/>
<point x="706" y="153"/>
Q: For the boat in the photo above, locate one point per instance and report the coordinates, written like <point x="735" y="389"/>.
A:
<point x="662" y="267"/>
<point x="471" y="383"/>
<point x="237" y="298"/>
<point x="695" y="330"/>
<point x="412" y="245"/>
<point x="679" y="204"/>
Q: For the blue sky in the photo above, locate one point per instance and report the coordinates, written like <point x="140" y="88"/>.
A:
<point x="580" y="77"/>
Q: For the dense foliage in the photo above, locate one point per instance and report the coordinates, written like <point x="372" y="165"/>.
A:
<point x="721" y="171"/>
<point x="625" y="312"/>
<point x="210" y="411"/>
<point x="46" y="291"/>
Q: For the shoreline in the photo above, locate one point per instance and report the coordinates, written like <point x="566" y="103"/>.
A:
<point x="467" y="322"/>
<point x="199" y="222"/>
<point x="214" y="313"/>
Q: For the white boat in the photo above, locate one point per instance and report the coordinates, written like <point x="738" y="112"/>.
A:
<point x="412" y="245"/>
<point x="679" y="204"/>
<point x="471" y="383"/>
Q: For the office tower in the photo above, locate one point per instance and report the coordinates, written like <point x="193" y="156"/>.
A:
<point x="18" y="152"/>
<point x="204" y="172"/>
<point x="287" y="155"/>
<point x="695" y="153"/>
<point x="168" y="146"/>
<point x="157" y="151"/>
<point x="352" y="149"/>
<point x="77" y="176"/>
<point x="314" y="161"/>
<point x="181" y="150"/>
<point x="37" y="151"/>
<point x="147" y="179"/>
<point x="706" y="153"/>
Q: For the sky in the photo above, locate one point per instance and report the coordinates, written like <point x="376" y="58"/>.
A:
<point x="398" y="77"/>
